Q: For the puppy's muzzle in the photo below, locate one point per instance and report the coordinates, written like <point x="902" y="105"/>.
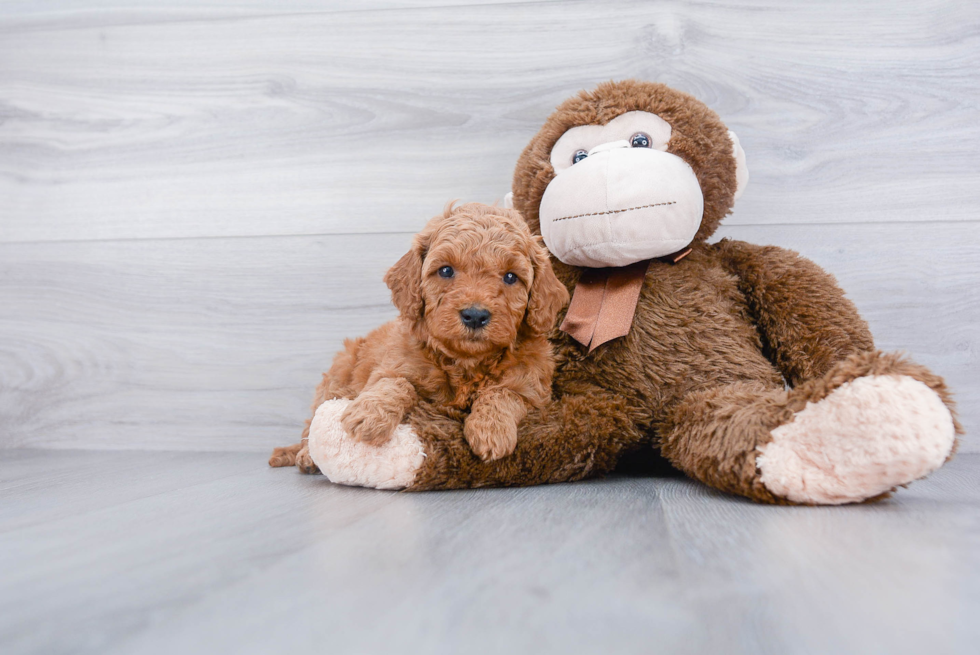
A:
<point x="474" y="318"/>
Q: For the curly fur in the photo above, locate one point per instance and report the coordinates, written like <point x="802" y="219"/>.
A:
<point x="428" y="354"/>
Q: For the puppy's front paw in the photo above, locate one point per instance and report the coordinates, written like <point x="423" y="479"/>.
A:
<point x="489" y="437"/>
<point x="369" y="422"/>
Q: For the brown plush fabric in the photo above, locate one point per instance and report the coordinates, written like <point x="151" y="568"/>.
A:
<point x="715" y="338"/>
<point x="578" y="436"/>
<point x="805" y="329"/>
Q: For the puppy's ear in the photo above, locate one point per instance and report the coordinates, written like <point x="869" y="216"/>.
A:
<point x="405" y="281"/>
<point x="547" y="296"/>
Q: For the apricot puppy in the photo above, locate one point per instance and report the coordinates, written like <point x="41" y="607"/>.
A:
<point x="477" y="298"/>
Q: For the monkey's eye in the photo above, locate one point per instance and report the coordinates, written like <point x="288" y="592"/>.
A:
<point x="446" y="271"/>
<point x="509" y="278"/>
<point x="639" y="140"/>
<point x="579" y="156"/>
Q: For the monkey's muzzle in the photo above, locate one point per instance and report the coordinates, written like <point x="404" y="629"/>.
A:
<point x="621" y="205"/>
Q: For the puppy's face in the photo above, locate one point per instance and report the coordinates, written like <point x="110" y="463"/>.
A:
<point x="480" y="279"/>
<point x="476" y="283"/>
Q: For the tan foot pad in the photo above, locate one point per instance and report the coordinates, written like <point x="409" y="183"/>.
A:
<point x="345" y="461"/>
<point x="867" y="437"/>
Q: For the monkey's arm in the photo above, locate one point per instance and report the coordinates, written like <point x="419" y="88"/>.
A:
<point x="577" y="436"/>
<point x="806" y="323"/>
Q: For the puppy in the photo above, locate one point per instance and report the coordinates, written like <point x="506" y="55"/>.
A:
<point x="477" y="298"/>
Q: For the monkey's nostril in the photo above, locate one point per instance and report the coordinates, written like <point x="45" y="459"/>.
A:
<point x="474" y="318"/>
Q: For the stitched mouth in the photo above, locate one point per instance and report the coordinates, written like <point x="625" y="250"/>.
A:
<point x="618" y="211"/>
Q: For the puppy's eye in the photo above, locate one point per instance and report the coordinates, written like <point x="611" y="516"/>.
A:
<point x="579" y="156"/>
<point x="639" y="140"/>
<point x="446" y="271"/>
<point x="510" y="278"/>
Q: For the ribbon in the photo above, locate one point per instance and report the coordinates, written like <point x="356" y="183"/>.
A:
<point x="604" y="302"/>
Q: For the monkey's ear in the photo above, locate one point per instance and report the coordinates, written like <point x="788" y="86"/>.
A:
<point x="741" y="170"/>
<point x="405" y="281"/>
<point x="547" y="294"/>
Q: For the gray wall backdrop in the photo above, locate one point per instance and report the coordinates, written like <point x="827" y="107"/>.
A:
<point x="198" y="201"/>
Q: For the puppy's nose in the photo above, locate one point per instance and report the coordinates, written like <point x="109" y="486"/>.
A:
<point x="474" y="318"/>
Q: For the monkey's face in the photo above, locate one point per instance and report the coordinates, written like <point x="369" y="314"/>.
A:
<point x="629" y="172"/>
<point x="618" y="196"/>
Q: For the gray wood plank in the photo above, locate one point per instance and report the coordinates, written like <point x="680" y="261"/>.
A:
<point x="885" y="578"/>
<point x="48" y="10"/>
<point x="213" y="343"/>
<point x="172" y="546"/>
<point x="216" y="344"/>
<point x="261" y="560"/>
<point x="38" y="489"/>
<point x="130" y="126"/>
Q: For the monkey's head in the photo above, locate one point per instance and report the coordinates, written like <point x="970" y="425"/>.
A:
<point x="628" y="172"/>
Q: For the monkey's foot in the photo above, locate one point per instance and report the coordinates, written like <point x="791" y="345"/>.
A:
<point x="865" y="438"/>
<point x="343" y="460"/>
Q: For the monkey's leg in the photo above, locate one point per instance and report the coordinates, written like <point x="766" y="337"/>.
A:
<point x="870" y="424"/>
<point x="575" y="437"/>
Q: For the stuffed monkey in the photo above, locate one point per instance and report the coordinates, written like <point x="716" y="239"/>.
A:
<point x="743" y="366"/>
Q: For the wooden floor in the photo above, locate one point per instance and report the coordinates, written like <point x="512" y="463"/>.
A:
<point x="214" y="553"/>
